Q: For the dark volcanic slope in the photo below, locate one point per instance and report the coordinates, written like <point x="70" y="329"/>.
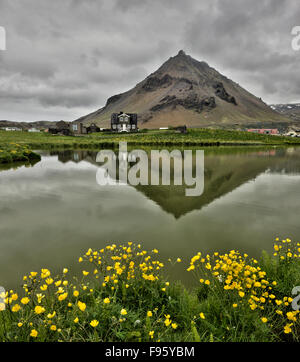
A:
<point x="186" y="91"/>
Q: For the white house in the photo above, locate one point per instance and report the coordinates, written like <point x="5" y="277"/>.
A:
<point x="33" y="130"/>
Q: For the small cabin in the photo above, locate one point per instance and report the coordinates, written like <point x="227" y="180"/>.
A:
<point x="92" y="128"/>
<point x="180" y="129"/>
<point x="61" y="127"/>
<point x="80" y="128"/>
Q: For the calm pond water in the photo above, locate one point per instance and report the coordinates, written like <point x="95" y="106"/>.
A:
<point x="53" y="211"/>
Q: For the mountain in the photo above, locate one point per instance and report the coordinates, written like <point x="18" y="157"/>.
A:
<point x="186" y="91"/>
<point x="289" y="110"/>
<point x="226" y="169"/>
<point x="27" y="125"/>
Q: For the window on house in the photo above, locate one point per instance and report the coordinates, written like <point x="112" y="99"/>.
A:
<point x="75" y="127"/>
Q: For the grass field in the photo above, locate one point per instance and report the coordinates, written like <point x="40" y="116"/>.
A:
<point x="194" y="137"/>
<point x="122" y="295"/>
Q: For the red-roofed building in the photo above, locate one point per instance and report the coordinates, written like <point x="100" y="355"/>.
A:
<point x="271" y="131"/>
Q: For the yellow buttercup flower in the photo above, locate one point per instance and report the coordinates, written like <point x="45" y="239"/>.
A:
<point x="106" y="300"/>
<point x="33" y="333"/>
<point x="151" y="333"/>
<point x="51" y="315"/>
<point x="94" y="323"/>
<point x="149" y="313"/>
<point x="62" y="297"/>
<point x="25" y="300"/>
<point x="167" y="322"/>
<point x="81" y="306"/>
<point x="38" y="309"/>
<point x="123" y="312"/>
<point x="287" y="329"/>
<point x="14" y="296"/>
<point x="49" y="281"/>
<point x="45" y="273"/>
<point x="15" y="308"/>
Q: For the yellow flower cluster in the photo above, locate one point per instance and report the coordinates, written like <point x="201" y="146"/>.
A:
<point x="49" y="299"/>
<point x="285" y="250"/>
<point x="102" y="292"/>
<point x="122" y="263"/>
<point x="249" y="284"/>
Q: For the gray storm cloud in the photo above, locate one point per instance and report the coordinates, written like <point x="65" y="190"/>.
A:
<point x="65" y="58"/>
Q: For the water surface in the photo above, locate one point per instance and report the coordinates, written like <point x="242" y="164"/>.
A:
<point x="54" y="211"/>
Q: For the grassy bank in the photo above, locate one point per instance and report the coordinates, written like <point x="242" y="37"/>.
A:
<point x="194" y="137"/>
<point x="123" y="296"/>
<point x="14" y="152"/>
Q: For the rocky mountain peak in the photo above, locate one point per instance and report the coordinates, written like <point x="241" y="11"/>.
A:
<point x="184" y="90"/>
<point x="181" y="53"/>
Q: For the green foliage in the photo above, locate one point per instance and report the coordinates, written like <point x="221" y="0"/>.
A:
<point x="123" y="296"/>
<point x="14" y="152"/>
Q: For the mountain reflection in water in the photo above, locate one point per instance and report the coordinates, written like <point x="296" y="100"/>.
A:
<point x="53" y="211"/>
<point x="225" y="170"/>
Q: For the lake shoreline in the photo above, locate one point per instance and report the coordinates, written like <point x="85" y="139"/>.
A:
<point x="14" y="153"/>
<point x="20" y="146"/>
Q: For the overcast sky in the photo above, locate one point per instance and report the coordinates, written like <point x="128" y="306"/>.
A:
<point x="64" y="58"/>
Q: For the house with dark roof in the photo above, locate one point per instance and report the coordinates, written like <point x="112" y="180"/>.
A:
<point x="124" y="122"/>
